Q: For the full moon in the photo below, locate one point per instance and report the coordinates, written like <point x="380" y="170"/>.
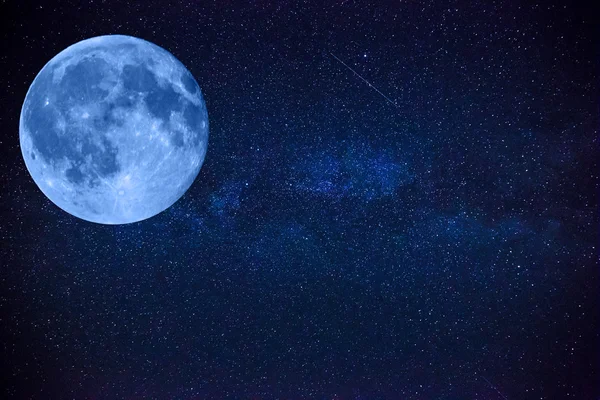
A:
<point x="114" y="129"/>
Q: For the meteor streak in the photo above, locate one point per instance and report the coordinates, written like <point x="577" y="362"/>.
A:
<point x="366" y="81"/>
<point x="494" y="387"/>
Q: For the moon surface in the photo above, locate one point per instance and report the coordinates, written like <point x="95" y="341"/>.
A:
<point x="114" y="129"/>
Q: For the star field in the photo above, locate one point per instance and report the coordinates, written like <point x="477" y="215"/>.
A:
<point x="334" y="245"/>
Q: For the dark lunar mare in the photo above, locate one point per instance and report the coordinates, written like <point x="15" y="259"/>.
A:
<point x="163" y="99"/>
<point x="80" y="85"/>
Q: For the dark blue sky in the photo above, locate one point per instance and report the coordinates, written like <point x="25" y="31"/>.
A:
<point x="334" y="246"/>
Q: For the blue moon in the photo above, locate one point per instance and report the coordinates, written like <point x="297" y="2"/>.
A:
<point x="114" y="129"/>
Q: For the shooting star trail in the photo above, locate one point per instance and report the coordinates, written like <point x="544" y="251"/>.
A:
<point x="494" y="387"/>
<point x="366" y="81"/>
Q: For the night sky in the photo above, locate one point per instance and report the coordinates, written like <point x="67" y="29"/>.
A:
<point x="432" y="236"/>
